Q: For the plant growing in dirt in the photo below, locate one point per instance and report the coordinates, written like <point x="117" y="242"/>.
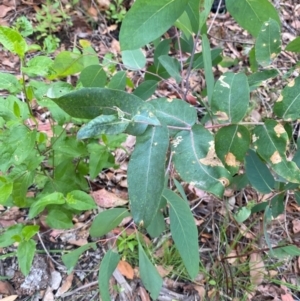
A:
<point x="222" y="148"/>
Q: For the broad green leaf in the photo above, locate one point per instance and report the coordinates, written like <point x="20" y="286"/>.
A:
<point x="10" y="83"/>
<point x="258" y="173"/>
<point x="184" y="231"/>
<point x="59" y="219"/>
<point x="252" y="60"/>
<point x="6" y="187"/>
<point x="172" y="66"/>
<point x="6" y="235"/>
<point x="268" y="43"/>
<point x="294" y="45"/>
<point x="209" y="77"/>
<point x="145" y="89"/>
<point x="92" y="102"/>
<point x="93" y="76"/>
<point x="79" y="200"/>
<point x="145" y="114"/>
<point x="258" y="12"/>
<point x="255" y="79"/>
<point x="149" y="275"/>
<point x="107" y="267"/>
<point x="30" y="231"/>
<point x="196" y="161"/>
<point x="184" y="24"/>
<point x="25" y="254"/>
<point x="38" y="66"/>
<point x="242" y="214"/>
<point x="277" y="204"/>
<point x="175" y="113"/>
<point x="192" y="9"/>
<point x="156" y="73"/>
<point x="146" y="21"/>
<point x="50" y="199"/>
<point x="118" y="81"/>
<point x="287" y="105"/>
<point x="107" y="220"/>
<point x="270" y="141"/>
<point x="232" y="143"/>
<point x="231" y="97"/>
<point x="163" y="48"/>
<point x="205" y="7"/>
<point x="70" y="259"/>
<point x="146" y="174"/>
<point x="157" y="225"/>
<point x="100" y="158"/>
<point x="71" y="147"/>
<point x="104" y="124"/>
<point x="133" y="59"/>
<point x="13" y="41"/>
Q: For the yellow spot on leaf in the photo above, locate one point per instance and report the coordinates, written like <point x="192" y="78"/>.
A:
<point x="211" y="158"/>
<point x="223" y="84"/>
<point x="231" y="160"/>
<point x="275" y="158"/>
<point x="280" y="98"/>
<point x="221" y="115"/>
<point x="273" y="55"/>
<point x="177" y="141"/>
<point x="169" y="99"/>
<point x="279" y="129"/>
<point x="254" y="138"/>
<point x="239" y="135"/>
<point x="292" y="83"/>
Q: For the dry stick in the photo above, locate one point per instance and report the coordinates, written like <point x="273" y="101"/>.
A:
<point x="215" y="16"/>
<point x="180" y="55"/>
<point x="79" y="289"/>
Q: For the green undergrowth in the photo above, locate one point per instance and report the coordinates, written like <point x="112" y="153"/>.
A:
<point x="49" y="172"/>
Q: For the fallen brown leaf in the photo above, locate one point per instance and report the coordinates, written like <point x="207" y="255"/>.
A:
<point x="257" y="269"/>
<point x="6" y="288"/>
<point x="65" y="286"/>
<point x="296" y="225"/>
<point x="106" y="199"/>
<point x="143" y="294"/>
<point x="164" y="271"/>
<point x="287" y="297"/>
<point x="10" y="298"/>
<point x="125" y="269"/>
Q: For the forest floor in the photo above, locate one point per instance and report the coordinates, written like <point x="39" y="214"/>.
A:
<point x="235" y="261"/>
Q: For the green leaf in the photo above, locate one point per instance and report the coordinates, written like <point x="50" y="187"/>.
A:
<point x="30" y="231"/>
<point x="198" y="62"/>
<point x="294" y="45"/>
<point x="172" y="66"/>
<point x="146" y="174"/>
<point x="287" y="105"/>
<point x="104" y="124"/>
<point x="59" y="219"/>
<point x="157" y="225"/>
<point x="107" y="267"/>
<point x="286" y="251"/>
<point x="38" y="66"/>
<point x="232" y="143"/>
<point x="6" y="187"/>
<point x="184" y="24"/>
<point x="255" y="79"/>
<point x="192" y="10"/>
<point x="145" y="114"/>
<point x="13" y="41"/>
<point x="258" y="173"/>
<point x="205" y="7"/>
<point x="107" y="220"/>
<point x="92" y="102"/>
<point x="196" y="161"/>
<point x="271" y="141"/>
<point x="258" y="12"/>
<point x="268" y="43"/>
<point x="252" y="60"/>
<point x="184" y="231"/>
<point x="6" y="237"/>
<point x="231" y="97"/>
<point x="80" y="200"/>
<point x="149" y="275"/>
<point x="99" y="159"/>
<point x="242" y="214"/>
<point x="145" y="89"/>
<point x="118" y="81"/>
<point x="93" y="76"/>
<point x="70" y="260"/>
<point x="174" y="113"/>
<point x="146" y="21"/>
<point x="50" y="199"/>
<point x="10" y="83"/>
<point x="209" y="77"/>
<point x="133" y="59"/>
<point x="277" y="204"/>
<point x="25" y="254"/>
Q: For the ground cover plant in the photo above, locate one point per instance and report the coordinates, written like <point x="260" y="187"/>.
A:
<point x="208" y="139"/>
